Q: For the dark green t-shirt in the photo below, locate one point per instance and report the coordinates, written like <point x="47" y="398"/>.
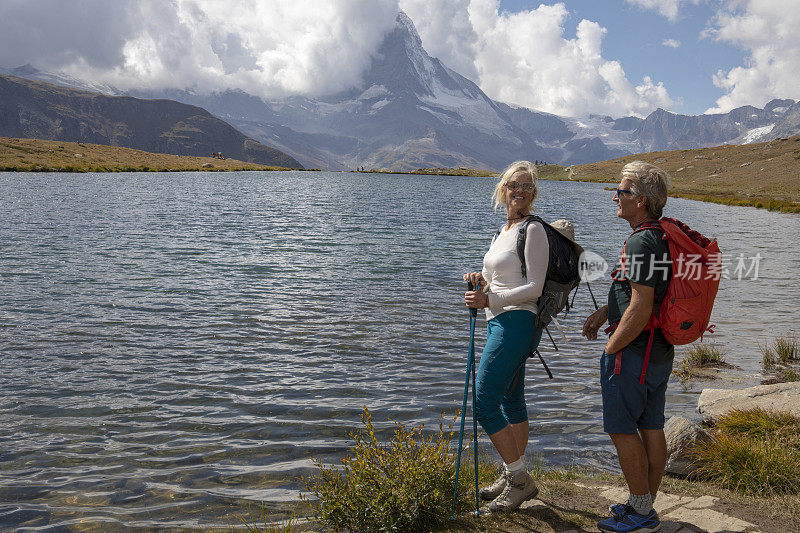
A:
<point x="646" y="263"/>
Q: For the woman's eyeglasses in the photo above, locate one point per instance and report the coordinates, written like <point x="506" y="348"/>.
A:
<point x="514" y="185"/>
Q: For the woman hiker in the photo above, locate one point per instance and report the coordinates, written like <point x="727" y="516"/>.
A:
<point x="510" y="302"/>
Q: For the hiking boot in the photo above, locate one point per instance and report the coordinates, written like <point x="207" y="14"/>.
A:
<point x="519" y="488"/>
<point x="495" y="489"/>
<point x="618" y="509"/>
<point x="626" y="520"/>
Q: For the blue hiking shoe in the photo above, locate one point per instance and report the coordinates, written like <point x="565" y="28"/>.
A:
<point x="618" y="509"/>
<point x="626" y="520"/>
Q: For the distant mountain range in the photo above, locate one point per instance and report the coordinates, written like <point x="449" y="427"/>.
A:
<point x="411" y="111"/>
<point x="35" y="109"/>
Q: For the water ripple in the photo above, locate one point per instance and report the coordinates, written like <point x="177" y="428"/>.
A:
<point x="177" y="346"/>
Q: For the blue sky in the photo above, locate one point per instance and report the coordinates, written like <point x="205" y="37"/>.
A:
<point x="634" y="38"/>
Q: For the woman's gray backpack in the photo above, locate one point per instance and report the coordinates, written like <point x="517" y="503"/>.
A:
<point x="563" y="272"/>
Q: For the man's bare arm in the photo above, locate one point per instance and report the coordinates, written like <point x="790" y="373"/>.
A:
<point x="634" y="319"/>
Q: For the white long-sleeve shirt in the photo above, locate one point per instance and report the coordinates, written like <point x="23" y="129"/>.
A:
<point x="507" y="289"/>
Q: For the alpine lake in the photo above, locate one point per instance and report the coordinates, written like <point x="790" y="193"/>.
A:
<point x="177" y="347"/>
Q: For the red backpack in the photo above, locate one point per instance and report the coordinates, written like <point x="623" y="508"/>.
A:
<point x="696" y="270"/>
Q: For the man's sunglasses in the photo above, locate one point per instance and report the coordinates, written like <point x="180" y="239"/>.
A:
<point x="513" y="185"/>
<point x="624" y="191"/>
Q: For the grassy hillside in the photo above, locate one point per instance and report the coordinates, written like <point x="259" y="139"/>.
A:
<point x="765" y="175"/>
<point x="26" y="155"/>
<point x="36" y="110"/>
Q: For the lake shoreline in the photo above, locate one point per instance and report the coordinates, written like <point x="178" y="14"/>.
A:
<point x="722" y="175"/>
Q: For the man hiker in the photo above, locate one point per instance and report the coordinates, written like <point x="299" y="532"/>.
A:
<point x="633" y="385"/>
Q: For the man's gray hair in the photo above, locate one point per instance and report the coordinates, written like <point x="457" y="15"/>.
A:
<point x="649" y="181"/>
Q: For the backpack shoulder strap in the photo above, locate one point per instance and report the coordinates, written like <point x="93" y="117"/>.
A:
<point x="521" y="238"/>
<point x="642" y="227"/>
<point x="646" y="225"/>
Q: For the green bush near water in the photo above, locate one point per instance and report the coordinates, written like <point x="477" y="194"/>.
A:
<point x="405" y="484"/>
<point x="786" y="375"/>
<point x="754" y="451"/>
<point x="699" y="355"/>
<point x="779" y="357"/>
<point x="783" y="350"/>
<point x="259" y="522"/>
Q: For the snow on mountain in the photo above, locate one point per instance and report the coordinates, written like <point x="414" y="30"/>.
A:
<point x="412" y="111"/>
<point x="756" y="134"/>
<point x="32" y="73"/>
<point x="602" y="127"/>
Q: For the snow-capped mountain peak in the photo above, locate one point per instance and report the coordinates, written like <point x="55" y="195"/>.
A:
<point x="410" y="111"/>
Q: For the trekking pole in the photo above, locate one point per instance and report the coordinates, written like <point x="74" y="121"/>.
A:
<point x="473" y="314"/>
<point x="475" y="424"/>
<point x="549" y="374"/>
<point x="551" y="338"/>
<point x="593" y="299"/>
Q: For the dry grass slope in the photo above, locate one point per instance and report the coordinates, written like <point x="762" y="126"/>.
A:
<point x="765" y="175"/>
<point x="35" y="155"/>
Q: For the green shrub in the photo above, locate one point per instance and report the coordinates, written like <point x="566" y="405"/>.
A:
<point x="786" y="375"/>
<point x="684" y="370"/>
<point x="754" y="451"/>
<point x="759" y="423"/>
<point x="699" y="355"/>
<point x="405" y="484"/>
<point x="783" y="350"/>
<point x="705" y="354"/>
<point x="786" y="349"/>
<point x="259" y="522"/>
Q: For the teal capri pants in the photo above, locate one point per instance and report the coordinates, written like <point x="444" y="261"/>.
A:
<point x="500" y="382"/>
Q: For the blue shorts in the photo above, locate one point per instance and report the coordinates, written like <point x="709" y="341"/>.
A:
<point x="627" y="405"/>
<point x="500" y="380"/>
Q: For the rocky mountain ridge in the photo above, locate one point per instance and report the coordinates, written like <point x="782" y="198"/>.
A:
<point x="35" y="109"/>
<point x="412" y="111"/>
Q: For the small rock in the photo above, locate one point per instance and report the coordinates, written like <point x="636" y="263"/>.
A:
<point x="713" y="403"/>
<point x="746" y="164"/>
<point x="709" y="520"/>
<point x="682" y="434"/>
<point x="78" y="155"/>
<point x="206" y="165"/>
<point x="681" y="169"/>
<point x="660" y="160"/>
<point x="703" y="502"/>
<point x="701" y="157"/>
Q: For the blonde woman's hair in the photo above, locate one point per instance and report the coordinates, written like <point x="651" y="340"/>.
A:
<point x="649" y="181"/>
<point x="500" y="195"/>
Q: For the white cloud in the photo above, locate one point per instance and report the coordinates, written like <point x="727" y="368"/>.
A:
<point x="446" y="32"/>
<point x="523" y="58"/>
<point x="667" y="8"/>
<point x="767" y="31"/>
<point x="274" y="48"/>
<point x="267" y="47"/>
<point x="672" y="43"/>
